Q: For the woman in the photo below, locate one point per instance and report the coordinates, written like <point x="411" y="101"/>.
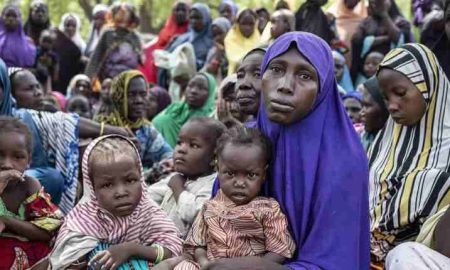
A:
<point x="80" y="84"/>
<point x="228" y="9"/>
<point x="119" y="48"/>
<point x="374" y="113"/>
<point x="55" y="144"/>
<point x="324" y="191"/>
<point x="38" y="20"/>
<point x="176" y="24"/>
<point x="383" y="30"/>
<point x="199" y="101"/>
<point x="99" y="19"/>
<point x="199" y="33"/>
<point x="69" y="46"/>
<point x="242" y="37"/>
<point x="16" y="49"/>
<point x="409" y="177"/>
<point x="129" y="98"/>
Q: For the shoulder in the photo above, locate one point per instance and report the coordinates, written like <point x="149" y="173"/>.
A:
<point x="266" y="204"/>
<point x="32" y="185"/>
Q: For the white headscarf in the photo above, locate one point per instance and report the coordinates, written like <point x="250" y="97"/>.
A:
<point x="77" y="37"/>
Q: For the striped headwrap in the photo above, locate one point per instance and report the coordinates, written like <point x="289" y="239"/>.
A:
<point x="147" y="225"/>
<point x="409" y="165"/>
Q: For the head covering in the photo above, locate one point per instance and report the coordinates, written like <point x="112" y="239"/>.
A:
<point x="76" y="39"/>
<point x="346" y="81"/>
<point x="223" y="23"/>
<point x="373" y="88"/>
<point x="146" y="225"/>
<point x="321" y="185"/>
<point x="119" y="96"/>
<point x="73" y="83"/>
<point x="230" y="3"/>
<point x="6" y="103"/>
<point x="118" y="14"/>
<point x="409" y="178"/>
<point x="355" y="94"/>
<point x="15" y="47"/>
<point x="170" y="121"/>
<point x="236" y="45"/>
<point x="201" y="40"/>
<point x="31" y="28"/>
<point x="311" y="18"/>
<point x="162" y="97"/>
<point x="94" y="34"/>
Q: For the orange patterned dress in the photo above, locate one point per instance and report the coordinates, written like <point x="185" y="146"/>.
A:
<point x="228" y="231"/>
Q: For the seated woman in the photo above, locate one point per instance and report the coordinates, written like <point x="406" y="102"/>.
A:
<point x="242" y="37"/>
<point x="374" y="113"/>
<point x="409" y="176"/>
<point x="324" y="192"/>
<point x="384" y="29"/>
<point x="16" y="48"/>
<point x="54" y="159"/>
<point x="199" y="101"/>
<point x="129" y="99"/>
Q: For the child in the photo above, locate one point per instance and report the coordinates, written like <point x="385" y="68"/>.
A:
<point x="183" y="193"/>
<point x="371" y="63"/>
<point x="27" y="217"/>
<point x="115" y="224"/>
<point x="46" y="58"/>
<point x="80" y="105"/>
<point x="237" y="222"/>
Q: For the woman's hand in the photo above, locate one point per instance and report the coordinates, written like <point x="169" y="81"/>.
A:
<point x="111" y="258"/>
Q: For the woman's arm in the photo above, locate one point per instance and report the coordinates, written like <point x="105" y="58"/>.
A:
<point x="92" y="129"/>
<point x="25" y="229"/>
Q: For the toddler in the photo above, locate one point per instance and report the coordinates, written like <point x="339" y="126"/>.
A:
<point x="28" y="219"/>
<point x="237" y="222"/>
<point x="183" y="193"/>
<point x="371" y="63"/>
<point x="115" y="225"/>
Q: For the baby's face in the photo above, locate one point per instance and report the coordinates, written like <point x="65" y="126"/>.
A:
<point x="242" y="170"/>
<point x="117" y="183"/>
<point x="371" y="64"/>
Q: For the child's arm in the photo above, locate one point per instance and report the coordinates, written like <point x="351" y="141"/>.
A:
<point x="176" y="183"/>
<point x="201" y="257"/>
<point x="25" y="228"/>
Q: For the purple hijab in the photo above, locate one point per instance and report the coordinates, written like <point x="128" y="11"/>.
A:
<point x="16" y="49"/>
<point x="319" y="171"/>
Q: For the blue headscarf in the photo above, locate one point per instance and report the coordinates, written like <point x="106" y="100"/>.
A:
<point x="5" y="98"/>
<point x="202" y="40"/>
<point x="232" y="4"/>
<point x="319" y="172"/>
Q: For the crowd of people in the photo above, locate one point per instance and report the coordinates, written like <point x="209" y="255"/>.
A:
<point x="258" y="139"/>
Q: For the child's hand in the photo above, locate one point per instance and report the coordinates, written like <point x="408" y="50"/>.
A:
<point x="111" y="258"/>
<point x="177" y="182"/>
<point x="9" y="175"/>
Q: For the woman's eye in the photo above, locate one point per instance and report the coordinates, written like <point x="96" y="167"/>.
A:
<point x="275" y="69"/>
<point x="240" y="75"/>
<point x="256" y="75"/>
<point x="305" y="77"/>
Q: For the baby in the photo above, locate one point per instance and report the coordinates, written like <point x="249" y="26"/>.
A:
<point x="371" y="63"/>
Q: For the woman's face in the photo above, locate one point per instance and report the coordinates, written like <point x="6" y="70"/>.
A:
<point x="39" y="14"/>
<point x="227" y="12"/>
<point x="196" y="20"/>
<point x="70" y="26"/>
<point x="181" y="12"/>
<point x="137" y="98"/>
<point x="403" y="100"/>
<point x="11" y="19"/>
<point x="218" y="34"/>
<point x="248" y="85"/>
<point x="27" y="91"/>
<point x="197" y="91"/>
<point x="371" y="114"/>
<point x="82" y="87"/>
<point x="339" y="66"/>
<point x="353" y="108"/>
<point x="247" y="25"/>
<point x="105" y="92"/>
<point x="290" y="85"/>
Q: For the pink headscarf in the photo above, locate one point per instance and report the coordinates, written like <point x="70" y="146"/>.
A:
<point x="147" y="225"/>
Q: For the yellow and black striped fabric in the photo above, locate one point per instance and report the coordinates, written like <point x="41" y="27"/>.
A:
<point x="409" y="165"/>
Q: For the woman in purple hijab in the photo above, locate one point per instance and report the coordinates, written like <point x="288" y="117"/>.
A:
<point x="16" y="49"/>
<point x="319" y="171"/>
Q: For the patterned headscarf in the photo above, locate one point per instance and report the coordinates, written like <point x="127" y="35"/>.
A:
<point x="119" y="95"/>
<point x="409" y="177"/>
<point x="6" y="103"/>
<point x="146" y="225"/>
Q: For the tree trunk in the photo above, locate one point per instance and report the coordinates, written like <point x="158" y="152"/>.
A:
<point x="87" y="7"/>
<point x="145" y="16"/>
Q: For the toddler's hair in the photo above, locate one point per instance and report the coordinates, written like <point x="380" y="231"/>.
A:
<point x="12" y="124"/>
<point x="242" y="135"/>
<point x="214" y="127"/>
<point x="109" y="148"/>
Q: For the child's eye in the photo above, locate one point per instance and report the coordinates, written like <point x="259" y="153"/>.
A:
<point x="195" y="146"/>
<point x="251" y="175"/>
<point x="132" y="180"/>
<point x="107" y="185"/>
<point x="229" y="173"/>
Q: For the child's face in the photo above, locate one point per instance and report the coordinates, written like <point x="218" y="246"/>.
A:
<point x="196" y="20"/>
<point x="371" y="64"/>
<point x="117" y="183"/>
<point x="290" y="85"/>
<point x="194" y="151"/>
<point x="353" y="108"/>
<point x="105" y="93"/>
<point x="11" y="19"/>
<point x="14" y="153"/>
<point x="248" y="85"/>
<point x="80" y="106"/>
<point x="279" y="26"/>
<point x="242" y="169"/>
<point x="247" y="25"/>
<point x="339" y="66"/>
<point x="70" y="26"/>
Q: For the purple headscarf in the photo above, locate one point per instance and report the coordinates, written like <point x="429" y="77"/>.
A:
<point x="319" y="172"/>
<point x="16" y="49"/>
